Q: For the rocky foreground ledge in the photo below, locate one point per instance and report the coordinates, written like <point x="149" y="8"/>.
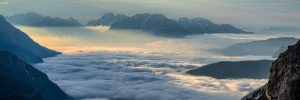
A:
<point x="284" y="80"/>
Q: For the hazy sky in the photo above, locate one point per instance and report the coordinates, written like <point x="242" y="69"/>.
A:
<point x="242" y="13"/>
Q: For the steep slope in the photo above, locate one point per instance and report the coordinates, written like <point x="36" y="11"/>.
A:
<point x="11" y="89"/>
<point x="284" y="80"/>
<point x="107" y="19"/>
<point x="20" y="44"/>
<point x="21" y="81"/>
<point x="239" y="69"/>
<point x="34" y="19"/>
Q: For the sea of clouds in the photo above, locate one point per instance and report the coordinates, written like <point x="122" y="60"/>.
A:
<point x="125" y="76"/>
<point x="100" y="65"/>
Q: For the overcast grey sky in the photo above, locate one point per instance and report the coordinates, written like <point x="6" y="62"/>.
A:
<point x="241" y="13"/>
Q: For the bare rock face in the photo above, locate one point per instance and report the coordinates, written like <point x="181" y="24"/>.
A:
<point x="284" y="80"/>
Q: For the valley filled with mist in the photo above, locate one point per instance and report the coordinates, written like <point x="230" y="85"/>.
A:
<point x="149" y="49"/>
<point x="98" y="63"/>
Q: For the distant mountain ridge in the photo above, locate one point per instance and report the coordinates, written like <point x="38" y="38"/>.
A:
<point x="160" y="25"/>
<point x="201" y="25"/>
<point x="20" y="44"/>
<point x="283" y="28"/>
<point x="156" y="24"/>
<point x="34" y="19"/>
<point x="269" y="47"/>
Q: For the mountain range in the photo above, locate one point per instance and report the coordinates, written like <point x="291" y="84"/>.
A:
<point x="20" y="44"/>
<point x="34" y="19"/>
<point x="160" y="25"/>
<point x="156" y="24"/>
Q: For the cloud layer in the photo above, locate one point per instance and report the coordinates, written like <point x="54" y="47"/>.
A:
<point x="110" y="75"/>
<point x="154" y="70"/>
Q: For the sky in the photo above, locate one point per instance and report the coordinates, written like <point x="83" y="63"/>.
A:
<point x="241" y="13"/>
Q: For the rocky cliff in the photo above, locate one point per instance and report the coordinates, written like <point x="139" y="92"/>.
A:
<point x="21" y="81"/>
<point x="160" y="25"/>
<point x="284" y="80"/>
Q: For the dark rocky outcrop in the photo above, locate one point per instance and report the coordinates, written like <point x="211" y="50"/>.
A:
<point x="21" y="81"/>
<point x="284" y="80"/>
<point x="107" y="19"/>
<point x="18" y="43"/>
<point x="258" y="94"/>
<point x="269" y="47"/>
<point x="11" y="89"/>
<point x="235" y="69"/>
<point x="34" y="19"/>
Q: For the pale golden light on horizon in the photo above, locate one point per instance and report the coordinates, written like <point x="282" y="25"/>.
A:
<point x="88" y="39"/>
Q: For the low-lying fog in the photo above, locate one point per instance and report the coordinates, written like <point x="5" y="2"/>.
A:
<point x="131" y="65"/>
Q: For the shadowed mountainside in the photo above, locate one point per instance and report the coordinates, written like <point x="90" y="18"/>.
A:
<point x="20" y="44"/>
<point x="21" y="81"/>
